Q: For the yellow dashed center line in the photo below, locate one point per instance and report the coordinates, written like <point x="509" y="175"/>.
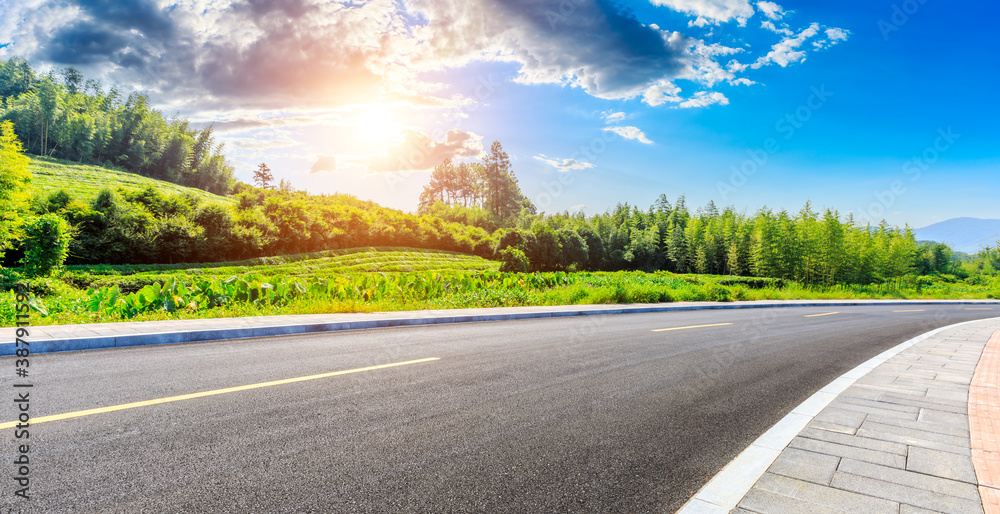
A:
<point x="692" y="326"/>
<point x="824" y="314"/>
<point x="912" y="310"/>
<point x="213" y="392"/>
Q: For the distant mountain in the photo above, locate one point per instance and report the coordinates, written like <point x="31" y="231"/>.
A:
<point x="967" y="235"/>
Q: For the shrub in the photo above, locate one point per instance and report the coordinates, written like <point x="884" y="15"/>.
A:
<point x="719" y="294"/>
<point x="514" y="260"/>
<point x="46" y="244"/>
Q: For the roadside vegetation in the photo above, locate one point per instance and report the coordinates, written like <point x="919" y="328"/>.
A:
<point x="110" y="232"/>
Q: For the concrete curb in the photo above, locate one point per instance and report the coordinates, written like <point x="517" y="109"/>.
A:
<point x="427" y="318"/>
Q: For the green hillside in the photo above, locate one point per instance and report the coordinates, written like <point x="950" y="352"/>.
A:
<point x="83" y="182"/>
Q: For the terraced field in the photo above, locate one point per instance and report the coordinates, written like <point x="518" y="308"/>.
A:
<point x="84" y="182"/>
<point x="313" y="265"/>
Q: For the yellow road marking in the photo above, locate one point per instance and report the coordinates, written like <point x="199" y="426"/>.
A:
<point x="213" y="392"/>
<point x="692" y="326"/>
<point x="824" y="314"/>
<point x="979" y="309"/>
<point x="912" y="310"/>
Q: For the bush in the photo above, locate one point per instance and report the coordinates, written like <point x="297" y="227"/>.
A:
<point x="719" y="294"/>
<point x="46" y="244"/>
<point x="514" y="260"/>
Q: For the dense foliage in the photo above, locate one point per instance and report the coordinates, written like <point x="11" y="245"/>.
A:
<point x="489" y="186"/>
<point x="61" y="116"/>
<point x="14" y="178"/>
<point x="147" y="226"/>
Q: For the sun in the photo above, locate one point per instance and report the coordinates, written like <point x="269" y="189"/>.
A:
<point x="376" y="124"/>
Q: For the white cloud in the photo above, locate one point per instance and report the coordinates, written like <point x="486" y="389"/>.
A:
<point x="324" y="163"/>
<point x="711" y="12"/>
<point x="787" y="51"/>
<point x="704" y="99"/>
<point x="564" y="164"/>
<point x="771" y="10"/>
<point x="613" y="116"/>
<point x="421" y="152"/>
<point x="578" y="207"/>
<point x="833" y="36"/>
<point x="632" y="133"/>
<point x="660" y="93"/>
<point x="766" y="24"/>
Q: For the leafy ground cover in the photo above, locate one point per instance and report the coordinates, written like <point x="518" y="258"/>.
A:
<point x="391" y="279"/>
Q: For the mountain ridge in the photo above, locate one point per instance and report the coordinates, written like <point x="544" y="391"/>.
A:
<point x="964" y="234"/>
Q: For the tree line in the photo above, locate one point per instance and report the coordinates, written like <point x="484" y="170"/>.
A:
<point x="61" y="115"/>
<point x="807" y="246"/>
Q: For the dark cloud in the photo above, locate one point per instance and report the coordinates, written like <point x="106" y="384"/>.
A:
<point x="289" y="8"/>
<point x="111" y="31"/>
<point x="324" y="163"/>
<point x="593" y="44"/>
<point x="420" y="152"/>
<point x="141" y="15"/>
<point x="85" y="43"/>
<point x="614" y="50"/>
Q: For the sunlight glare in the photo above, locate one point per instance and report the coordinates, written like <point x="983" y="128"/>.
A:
<point x="376" y="125"/>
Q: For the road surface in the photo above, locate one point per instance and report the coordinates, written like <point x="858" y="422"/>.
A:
<point x="622" y="413"/>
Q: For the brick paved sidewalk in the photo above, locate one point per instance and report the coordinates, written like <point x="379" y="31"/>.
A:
<point x="898" y="440"/>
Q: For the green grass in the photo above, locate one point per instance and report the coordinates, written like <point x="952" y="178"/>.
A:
<point x="67" y="296"/>
<point x="83" y="182"/>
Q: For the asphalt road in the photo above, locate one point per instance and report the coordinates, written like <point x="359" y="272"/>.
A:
<point x="587" y="414"/>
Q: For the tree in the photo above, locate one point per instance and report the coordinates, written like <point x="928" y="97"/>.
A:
<point x="46" y="244"/>
<point x="262" y="176"/>
<point x="14" y="178"/>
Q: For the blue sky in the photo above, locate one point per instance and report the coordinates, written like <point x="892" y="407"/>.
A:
<point x="883" y="109"/>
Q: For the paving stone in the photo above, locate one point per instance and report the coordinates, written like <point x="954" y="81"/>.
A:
<point x="775" y="493"/>
<point x="848" y="418"/>
<point x="941" y="464"/>
<point x="862" y="393"/>
<point x="952" y="424"/>
<point x="955" y="421"/>
<point x="899" y="493"/>
<point x="841" y="450"/>
<point x="910" y="509"/>
<point x="917" y="382"/>
<point x="841" y="401"/>
<point x="916" y="434"/>
<point x="833" y="427"/>
<point x="923" y="401"/>
<point x="857" y="442"/>
<point x="877" y="411"/>
<point x="803" y="465"/>
<point x="909" y="478"/>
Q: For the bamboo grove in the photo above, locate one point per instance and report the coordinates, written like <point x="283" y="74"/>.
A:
<point x="67" y="118"/>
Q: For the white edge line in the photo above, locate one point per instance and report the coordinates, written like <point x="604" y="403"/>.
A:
<point x="729" y="486"/>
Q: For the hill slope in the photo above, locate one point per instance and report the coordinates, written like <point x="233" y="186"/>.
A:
<point x="967" y="235"/>
<point x="83" y="182"/>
